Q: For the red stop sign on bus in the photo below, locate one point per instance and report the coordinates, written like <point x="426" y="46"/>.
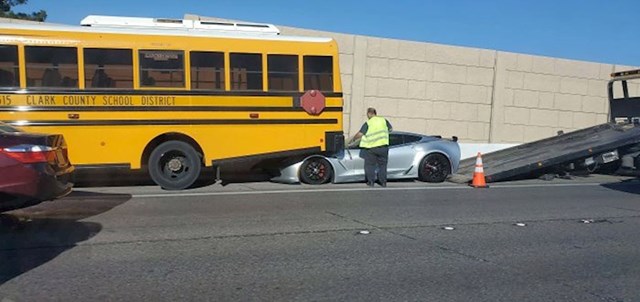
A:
<point x="313" y="102"/>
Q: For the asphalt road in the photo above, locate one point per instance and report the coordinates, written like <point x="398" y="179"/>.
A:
<point x="270" y="242"/>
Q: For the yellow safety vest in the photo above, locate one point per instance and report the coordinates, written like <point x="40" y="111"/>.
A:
<point x="377" y="133"/>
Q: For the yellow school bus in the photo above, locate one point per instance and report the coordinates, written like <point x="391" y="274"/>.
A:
<point x="171" y="96"/>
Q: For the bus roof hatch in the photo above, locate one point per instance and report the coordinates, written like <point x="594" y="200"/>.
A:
<point x="195" y="24"/>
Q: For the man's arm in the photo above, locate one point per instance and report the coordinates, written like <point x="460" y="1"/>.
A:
<point x="360" y="133"/>
<point x="355" y="138"/>
<point x="389" y="125"/>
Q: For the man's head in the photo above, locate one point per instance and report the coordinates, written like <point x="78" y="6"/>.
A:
<point x="371" y="112"/>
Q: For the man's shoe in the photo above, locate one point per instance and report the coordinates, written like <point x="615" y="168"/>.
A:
<point x="382" y="184"/>
<point x="370" y="184"/>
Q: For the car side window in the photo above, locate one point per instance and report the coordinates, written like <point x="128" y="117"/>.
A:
<point x="395" y="140"/>
<point x="411" y="139"/>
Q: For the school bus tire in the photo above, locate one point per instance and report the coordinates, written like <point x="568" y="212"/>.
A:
<point x="174" y="165"/>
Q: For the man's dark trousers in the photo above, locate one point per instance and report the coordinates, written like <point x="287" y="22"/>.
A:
<point x="376" y="157"/>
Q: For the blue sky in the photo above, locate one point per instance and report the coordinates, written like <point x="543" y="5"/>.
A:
<point x="592" y="30"/>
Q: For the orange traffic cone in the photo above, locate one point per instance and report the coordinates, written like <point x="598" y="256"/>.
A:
<point x="478" y="175"/>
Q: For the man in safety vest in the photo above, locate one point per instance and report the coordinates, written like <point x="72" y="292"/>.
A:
<point x="375" y="147"/>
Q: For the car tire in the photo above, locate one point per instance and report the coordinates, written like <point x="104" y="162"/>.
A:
<point x="174" y="165"/>
<point x="316" y="171"/>
<point x="434" y="167"/>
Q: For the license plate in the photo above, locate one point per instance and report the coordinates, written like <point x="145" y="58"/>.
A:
<point x="610" y="157"/>
<point x="589" y="161"/>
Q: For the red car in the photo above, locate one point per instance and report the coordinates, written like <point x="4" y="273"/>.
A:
<point x="33" y="168"/>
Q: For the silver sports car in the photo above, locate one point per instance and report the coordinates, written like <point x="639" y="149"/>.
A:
<point x="428" y="158"/>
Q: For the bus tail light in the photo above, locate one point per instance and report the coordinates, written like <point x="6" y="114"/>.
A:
<point x="31" y="154"/>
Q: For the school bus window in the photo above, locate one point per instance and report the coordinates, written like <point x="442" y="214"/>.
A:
<point x="161" y="68"/>
<point x="246" y="71"/>
<point x="108" y="68"/>
<point x="318" y="73"/>
<point x="207" y="70"/>
<point x="9" y="75"/>
<point x="283" y="72"/>
<point x="53" y="67"/>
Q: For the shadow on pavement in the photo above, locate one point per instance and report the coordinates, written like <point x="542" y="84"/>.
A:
<point x="628" y="186"/>
<point x="33" y="236"/>
<point x="246" y="177"/>
<point x="107" y="178"/>
<point x="137" y="178"/>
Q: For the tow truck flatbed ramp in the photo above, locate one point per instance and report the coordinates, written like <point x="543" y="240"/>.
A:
<point x="545" y="154"/>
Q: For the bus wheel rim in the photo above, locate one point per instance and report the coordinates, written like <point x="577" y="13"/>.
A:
<point x="174" y="165"/>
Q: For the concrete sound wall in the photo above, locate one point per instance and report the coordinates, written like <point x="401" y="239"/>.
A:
<point x="479" y="95"/>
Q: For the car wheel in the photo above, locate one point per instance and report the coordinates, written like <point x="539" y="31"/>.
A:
<point x="316" y="171"/>
<point x="434" y="168"/>
<point x="174" y="165"/>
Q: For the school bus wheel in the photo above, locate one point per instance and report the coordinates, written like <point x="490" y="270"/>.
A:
<point x="174" y="165"/>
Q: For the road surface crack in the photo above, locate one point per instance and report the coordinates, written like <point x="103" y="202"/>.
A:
<point x="24" y="248"/>
<point x="602" y="297"/>
<point x="626" y="209"/>
<point x="612" y="219"/>
<point x="388" y="230"/>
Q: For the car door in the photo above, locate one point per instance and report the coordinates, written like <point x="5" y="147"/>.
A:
<point x="342" y="164"/>
<point x="355" y="164"/>
<point x="357" y="160"/>
<point x="401" y="154"/>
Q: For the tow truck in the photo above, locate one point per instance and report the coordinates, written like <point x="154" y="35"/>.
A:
<point x="612" y="146"/>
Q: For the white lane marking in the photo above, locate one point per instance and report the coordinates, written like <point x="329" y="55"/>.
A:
<point x="587" y="184"/>
<point x="461" y="187"/>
